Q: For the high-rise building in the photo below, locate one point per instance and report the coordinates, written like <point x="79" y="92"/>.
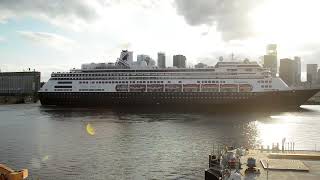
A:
<point x="272" y="49"/>
<point x="287" y="71"/>
<point x="318" y="76"/>
<point x="270" y="59"/>
<point x="125" y="60"/>
<point x="179" y="61"/>
<point x="161" y="60"/>
<point x="143" y="59"/>
<point x="312" y="73"/>
<point x="201" y="65"/>
<point x="297" y="60"/>
<point x="130" y="58"/>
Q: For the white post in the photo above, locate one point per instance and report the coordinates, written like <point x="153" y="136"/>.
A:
<point x="267" y="170"/>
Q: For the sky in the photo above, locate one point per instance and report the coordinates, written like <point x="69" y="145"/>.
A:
<point x="58" y="35"/>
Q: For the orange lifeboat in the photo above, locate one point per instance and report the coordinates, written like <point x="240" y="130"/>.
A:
<point x="191" y="87"/>
<point x="173" y="88"/>
<point x="245" y="88"/>
<point x="137" y="88"/>
<point x="155" y="88"/>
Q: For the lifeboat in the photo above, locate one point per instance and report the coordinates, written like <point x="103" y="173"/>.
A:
<point x="137" y="88"/>
<point x="173" y="88"/>
<point x="155" y="87"/>
<point x="191" y="87"/>
<point x="209" y="87"/>
<point x="122" y="88"/>
<point x="245" y="88"/>
<point x="229" y="88"/>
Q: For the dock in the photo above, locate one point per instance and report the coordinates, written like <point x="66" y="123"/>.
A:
<point x="228" y="162"/>
<point x="284" y="166"/>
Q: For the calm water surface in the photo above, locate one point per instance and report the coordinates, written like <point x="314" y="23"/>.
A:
<point x="84" y="143"/>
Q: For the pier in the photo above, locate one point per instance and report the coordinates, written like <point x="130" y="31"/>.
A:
<point x="262" y="163"/>
<point x="284" y="165"/>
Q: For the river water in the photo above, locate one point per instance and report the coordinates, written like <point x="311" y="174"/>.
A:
<point x="84" y="143"/>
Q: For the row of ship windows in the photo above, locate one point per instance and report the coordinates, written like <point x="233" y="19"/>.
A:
<point x="264" y="81"/>
<point x="96" y="75"/>
<point x="145" y="74"/>
<point x="62" y="90"/>
<point x="116" y="82"/>
<point x="136" y="78"/>
<point x="133" y="82"/>
<point x="211" y="81"/>
<point x="266" y="86"/>
<point x="179" y="97"/>
<point x="191" y="97"/>
<point x="91" y="89"/>
<point x="167" y="94"/>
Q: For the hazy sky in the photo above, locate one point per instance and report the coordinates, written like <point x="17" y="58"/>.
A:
<point x="56" y="35"/>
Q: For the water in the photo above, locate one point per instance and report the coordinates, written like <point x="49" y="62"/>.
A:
<point x="55" y="143"/>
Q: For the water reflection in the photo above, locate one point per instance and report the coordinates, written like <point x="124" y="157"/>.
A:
<point x="246" y="128"/>
<point x="271" y="133"/>
<point x="223" y="127"/>
<point x="90" y="129"/>
<point x="77" y="143"/>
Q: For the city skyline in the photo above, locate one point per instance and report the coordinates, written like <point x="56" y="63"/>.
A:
<point x="59" y="37"/>
<point x="154" y="89"/>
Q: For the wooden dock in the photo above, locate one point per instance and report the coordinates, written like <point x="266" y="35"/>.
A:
<point x="284" y="166"/>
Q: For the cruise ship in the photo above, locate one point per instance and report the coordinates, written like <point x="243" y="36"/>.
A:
<point x="228" y="84"/>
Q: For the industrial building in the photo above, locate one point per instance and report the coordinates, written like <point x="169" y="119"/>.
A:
<point x="15" y="85"/>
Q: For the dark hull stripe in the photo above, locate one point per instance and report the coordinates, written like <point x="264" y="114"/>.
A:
<point x="278" y="99"/>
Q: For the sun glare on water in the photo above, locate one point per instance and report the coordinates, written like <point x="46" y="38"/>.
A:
<point x="279" y="128"/>
<point x="90" y="129"/>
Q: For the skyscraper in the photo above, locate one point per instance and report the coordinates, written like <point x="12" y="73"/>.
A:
<point x="318" y="76"/>
<point x="142" y="57"/>
<point x="297" y="60"/>
<point x="287" y="71"/>
<point x="201" y="65"/>
<point x="145" y="59"/>
<point x="272" y="49"/>
<point x="179" y="61"/>
<point x="270" y="59"/>
<point x="312" y="72"/>
<point x="161" y="60"/>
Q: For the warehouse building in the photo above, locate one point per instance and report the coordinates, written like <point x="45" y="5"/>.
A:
<point x="19" y="84"/>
